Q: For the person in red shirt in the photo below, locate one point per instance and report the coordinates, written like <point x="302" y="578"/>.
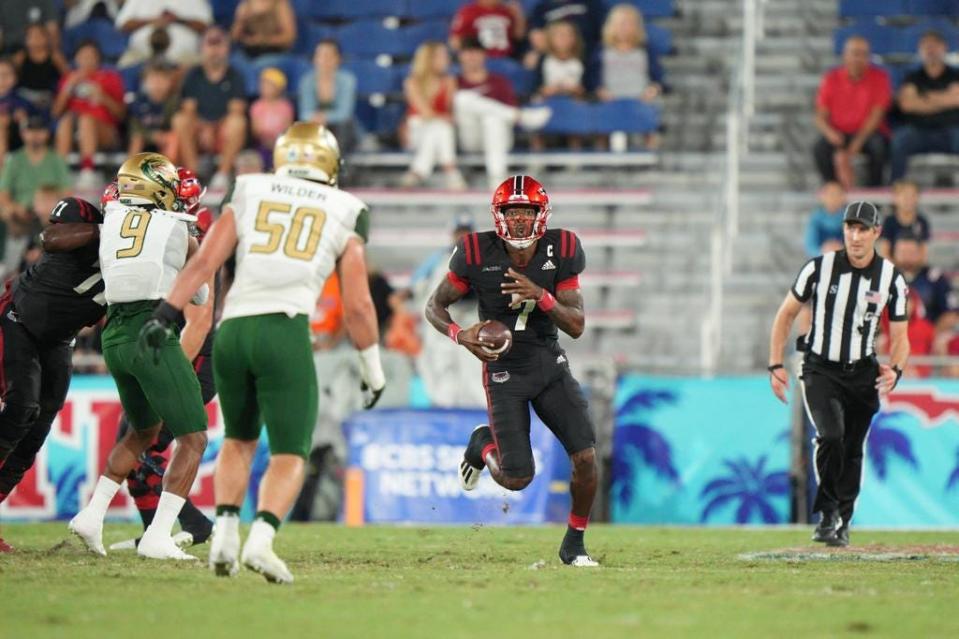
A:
<point x="496" y="24"/>
<point x="89" y="103"/>
<point x="922" y="335"/>
<point x="851" y="116"/>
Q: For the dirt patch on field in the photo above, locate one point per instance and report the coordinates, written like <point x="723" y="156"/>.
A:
<point x="870" y="552"/>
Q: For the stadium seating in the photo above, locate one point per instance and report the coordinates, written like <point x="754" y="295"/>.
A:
<point x="369" y="38"/>
<point x="432" y="9"/>
<point x="350" y="9"/>
<point x="111" y="40"/>
<point x="649" y="8"/>
<point x="575" y="117"/>
<point x="886" y="39"/>
<point x="372" y="78"/>
<point x="860" y="8"/>
<point x="523" y="80"/>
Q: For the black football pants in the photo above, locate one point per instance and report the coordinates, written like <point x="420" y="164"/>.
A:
<point x="34" y="379"/>
<point x="840" y="404"/>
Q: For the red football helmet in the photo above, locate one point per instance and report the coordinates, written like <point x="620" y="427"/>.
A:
<point x="110" y="194"/>
<point x="520" y="190"/>
<point x="190" y="190"/>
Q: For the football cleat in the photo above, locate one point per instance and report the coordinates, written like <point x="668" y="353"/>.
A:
<point x="263" y="560"/>
<point x="182" y="539"/>
<point x="582" y="561"/>
<point x="224" y="552"/>
<point x="90" y="531"/>
<point x="469" y="476"/>
<point x="472" y="465"/>
<point x="4" y="546"/>
<point x="159" y="546"/>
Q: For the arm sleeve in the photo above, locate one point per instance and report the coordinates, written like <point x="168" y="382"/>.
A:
<point x="459" y="274"/>
<point x="459" y="25"/>
<point x="62" y="177"/>
<point x="572" y="261"/>
<point x="189" y="82"/>
<point x="805" y="281"/>
<point x="362" y="227"/>
<point x="884" y="91"/>
<point x="6" y="177"/>
<point x="71" y="210"/>
<point x="237" y="85"/>
<point x="824" y="92"/>
<point x="898" y="292"/>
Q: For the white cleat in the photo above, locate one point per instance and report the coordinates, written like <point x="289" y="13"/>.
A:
<point x="583" y="561"/>
<point x="469" y="476"/>
<point x="264" y="561"/>
<point x="182" y="539"/>
<point x="161" y="547"/>
<point x="224" y="552"/>
<point x="90" y="531"/>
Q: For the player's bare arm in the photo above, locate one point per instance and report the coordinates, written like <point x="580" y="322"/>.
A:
<point x="438" y="315"/>
<point x="565" y="309"/>
<point x="199" y="321"/>
<point x="890" y="373"/>
<point x="782" y="325"/>
<point x="68" y="236"/>
<point x="216" y="249"/>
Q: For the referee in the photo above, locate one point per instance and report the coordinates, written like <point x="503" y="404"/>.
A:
<point x="841" y="379"/>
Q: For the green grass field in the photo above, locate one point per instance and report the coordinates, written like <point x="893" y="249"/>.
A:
<point x="482" y="582"/>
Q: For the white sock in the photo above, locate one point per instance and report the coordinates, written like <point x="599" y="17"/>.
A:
<point x="228" y="524"/>
<point x="261" y="533"/>
<point x="167" y="511"/>
<point x="103" y="494"/>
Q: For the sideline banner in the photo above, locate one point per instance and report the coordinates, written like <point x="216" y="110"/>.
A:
<point x="403" y="468"/>
<point x="699" y="452"/>
<point x="80" y="439"/>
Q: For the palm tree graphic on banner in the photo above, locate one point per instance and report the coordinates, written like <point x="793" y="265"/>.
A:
<point x="637" y="444"/>
<point x="886" y="443"/>
<point x="750" y="486"/>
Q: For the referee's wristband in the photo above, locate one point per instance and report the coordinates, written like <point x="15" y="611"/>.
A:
<point x="774" y="367"/>
<point x="898" y="372"/>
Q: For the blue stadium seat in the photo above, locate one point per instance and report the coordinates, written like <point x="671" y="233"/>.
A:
<point x="371" y="78"/>
<point x="223" y="11"/>
<point x="932" y="7"/>
<point x="317" y="32"/>
<point x="882" y="39"/>
<point x="522" y="79"/>
<point x="369" y="38"/>
<point x="909" y="40"/>
<point x="430" y="9"/>
<point x="872" y="8"/>
<point x="660" y="39"/>
<point x="131" y="77"/>
<point x="352" y="9"/>
<point x="380" y="120"/>
<point x="112" y="41"/>
<point x="569" y="116"/>
<point x="417" y="34"/>
<point x="649" y="8"/>
<point x="630" y="116"/>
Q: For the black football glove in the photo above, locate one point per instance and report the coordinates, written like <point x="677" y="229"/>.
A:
<point x="370" y="396"/>
<point x="157" y="330"/>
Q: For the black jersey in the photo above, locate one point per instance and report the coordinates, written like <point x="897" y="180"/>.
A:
<point x="62" y="292"/>
<point x="480" y="262"/>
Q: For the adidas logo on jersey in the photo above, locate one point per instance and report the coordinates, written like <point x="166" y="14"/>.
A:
<point x="549" y="266"/>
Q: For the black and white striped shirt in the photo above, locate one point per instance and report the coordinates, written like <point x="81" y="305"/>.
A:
<point x="847" y="303"/>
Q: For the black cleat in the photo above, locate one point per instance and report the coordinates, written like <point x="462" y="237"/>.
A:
<point x="572" y="551"/>
<point x="828" y="525"/>
<point x="472" y="465"/>
<point x="841" y="540"/>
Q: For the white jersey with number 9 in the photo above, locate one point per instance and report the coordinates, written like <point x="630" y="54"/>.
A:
<point x="290" y="233"/>
<point x="141" y="252"/>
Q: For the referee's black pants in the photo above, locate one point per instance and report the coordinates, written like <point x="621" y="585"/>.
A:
<point x="840" y="401"/>
<point x="34" y="380"/>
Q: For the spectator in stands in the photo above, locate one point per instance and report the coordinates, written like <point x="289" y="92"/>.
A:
<point x="586" y="15"/>
<point x="496" y="24"/>
<point x="25" y="171"/>
<point x="628" y="66"/>
<point x="922" y="336"/>
<point x="39" y="68"/>
<point x="929" y="99"/>
<point x="89" y="104"/>
<point x="272" y="113"/>
<point x="931" y="285"/>
<point x="248" y="161"/>
<point x="561" y="68"/>
<point x="328" y="94"/>
<point x="327" y="329"/>
<point x="13" y="109"/>
<point x="485" y="111"/>
<point x="17" y="15"/>
<point x="906" y="217"/>
<point x="80" y="11"/>
<point x="183" y="21"/>
<point x="263" y="27"/>
<point x="212" y="114"/>
<point x="151" y="113"/>
<point x="824" y="231"/>
<point x="850" y="114"/>
<point x="429" y="91"/>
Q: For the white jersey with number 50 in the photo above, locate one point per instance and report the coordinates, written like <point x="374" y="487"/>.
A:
<point x="290" y="233"/>
<point x="141" y="252"/>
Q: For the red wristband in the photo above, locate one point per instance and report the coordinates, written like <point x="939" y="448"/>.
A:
<point x="546" y="302"/>
<point x="453" y="331"/>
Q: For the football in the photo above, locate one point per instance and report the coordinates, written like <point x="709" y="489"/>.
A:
<point x="498" y="335"/>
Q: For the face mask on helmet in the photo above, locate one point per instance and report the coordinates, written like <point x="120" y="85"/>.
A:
<point x="521" y="211"/>
<point x="191" y="191"/>
<point x="110" y="194"/>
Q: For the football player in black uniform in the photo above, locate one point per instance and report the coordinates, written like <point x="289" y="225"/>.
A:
<point x="41" y="312"/>
<point x="527" y="277"/>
